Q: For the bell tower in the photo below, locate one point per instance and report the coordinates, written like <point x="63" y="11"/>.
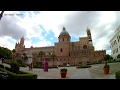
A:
<point x="89" y="36"/>
<point x="22" y="42"/>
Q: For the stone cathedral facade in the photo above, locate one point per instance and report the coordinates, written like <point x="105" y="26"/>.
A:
<point x="74" y="53"/>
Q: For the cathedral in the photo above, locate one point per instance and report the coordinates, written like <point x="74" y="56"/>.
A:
<point x="66" y="52"/>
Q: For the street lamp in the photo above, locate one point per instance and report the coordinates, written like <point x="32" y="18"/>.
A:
<point x="1" y="14"/>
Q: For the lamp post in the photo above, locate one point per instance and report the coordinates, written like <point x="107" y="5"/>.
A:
<point x="1" y="14"/>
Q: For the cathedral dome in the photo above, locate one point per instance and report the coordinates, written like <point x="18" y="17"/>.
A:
<point x="64" y="32"/>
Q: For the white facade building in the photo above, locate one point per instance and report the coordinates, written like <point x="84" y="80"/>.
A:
<point x="115" y="43"/>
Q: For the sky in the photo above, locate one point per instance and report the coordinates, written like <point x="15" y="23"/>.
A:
<point x="42" y="28"/>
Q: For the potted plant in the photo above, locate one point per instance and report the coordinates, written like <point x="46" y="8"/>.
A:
<point x="63" y="72"/>
<point x="106" y="68"/>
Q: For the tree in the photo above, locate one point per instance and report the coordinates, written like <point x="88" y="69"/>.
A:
<point x="53" y="56"/>
<point x="107" y="58"/>
<point x="5" y="53"/>
<point x="118" y="56"/>
<point x="41" y="54"/>
<point x="13" y="52"/>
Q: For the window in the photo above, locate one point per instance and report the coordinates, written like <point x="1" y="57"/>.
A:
<point x="61" y="50"/>
<point x="84" y="47"/>
<point x="118" y="37"/>
<point x="115" y="42"/>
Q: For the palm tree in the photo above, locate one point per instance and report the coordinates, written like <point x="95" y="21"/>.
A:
<point x="41" y="54"/>
<point x="53" y="56"/>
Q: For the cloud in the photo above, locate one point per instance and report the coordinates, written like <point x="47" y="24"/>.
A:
<point x="7" y="42"/>
<point x="101" y="23"/>
<point x="40" y="24"/>
<point x="9" y="26"/>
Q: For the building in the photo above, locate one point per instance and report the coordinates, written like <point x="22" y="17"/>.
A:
<point x="115" y="43"/>
<point x="66" y="51"/>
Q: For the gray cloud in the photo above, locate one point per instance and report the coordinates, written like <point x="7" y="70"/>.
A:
<point x="9" y="27"/>
<point x="77" y="23"/>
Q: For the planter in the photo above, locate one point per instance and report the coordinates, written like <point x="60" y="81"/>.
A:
<point x="63" y="74"/>
<point x="106" y="70"/>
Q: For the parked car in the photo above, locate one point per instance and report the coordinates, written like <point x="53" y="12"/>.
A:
<point x="3" y="75"/>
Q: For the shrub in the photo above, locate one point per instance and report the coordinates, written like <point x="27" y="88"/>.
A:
<point x="3" y="75"/>
<point x="9" y="69"/>
<point x="8" y="61"/>
<point x="2" y="66"/>
<point x="117" y="75"/>
<point x="26" y="75"/>
<point x="14" y="66"/>
<point x="106" y="66"/>
<point x="63" y="70"/>
<point x="38" y="64"/>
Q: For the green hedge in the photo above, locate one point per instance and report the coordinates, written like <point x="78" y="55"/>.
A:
<point x="19" y="72"/>
<point x="117" y="75"/>
<point x="50" y="67"/>
<point x="19" y="76"/>
<point x="1" y="66"/>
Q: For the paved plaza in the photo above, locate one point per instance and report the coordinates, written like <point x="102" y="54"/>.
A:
<point x="95" y="72"/>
